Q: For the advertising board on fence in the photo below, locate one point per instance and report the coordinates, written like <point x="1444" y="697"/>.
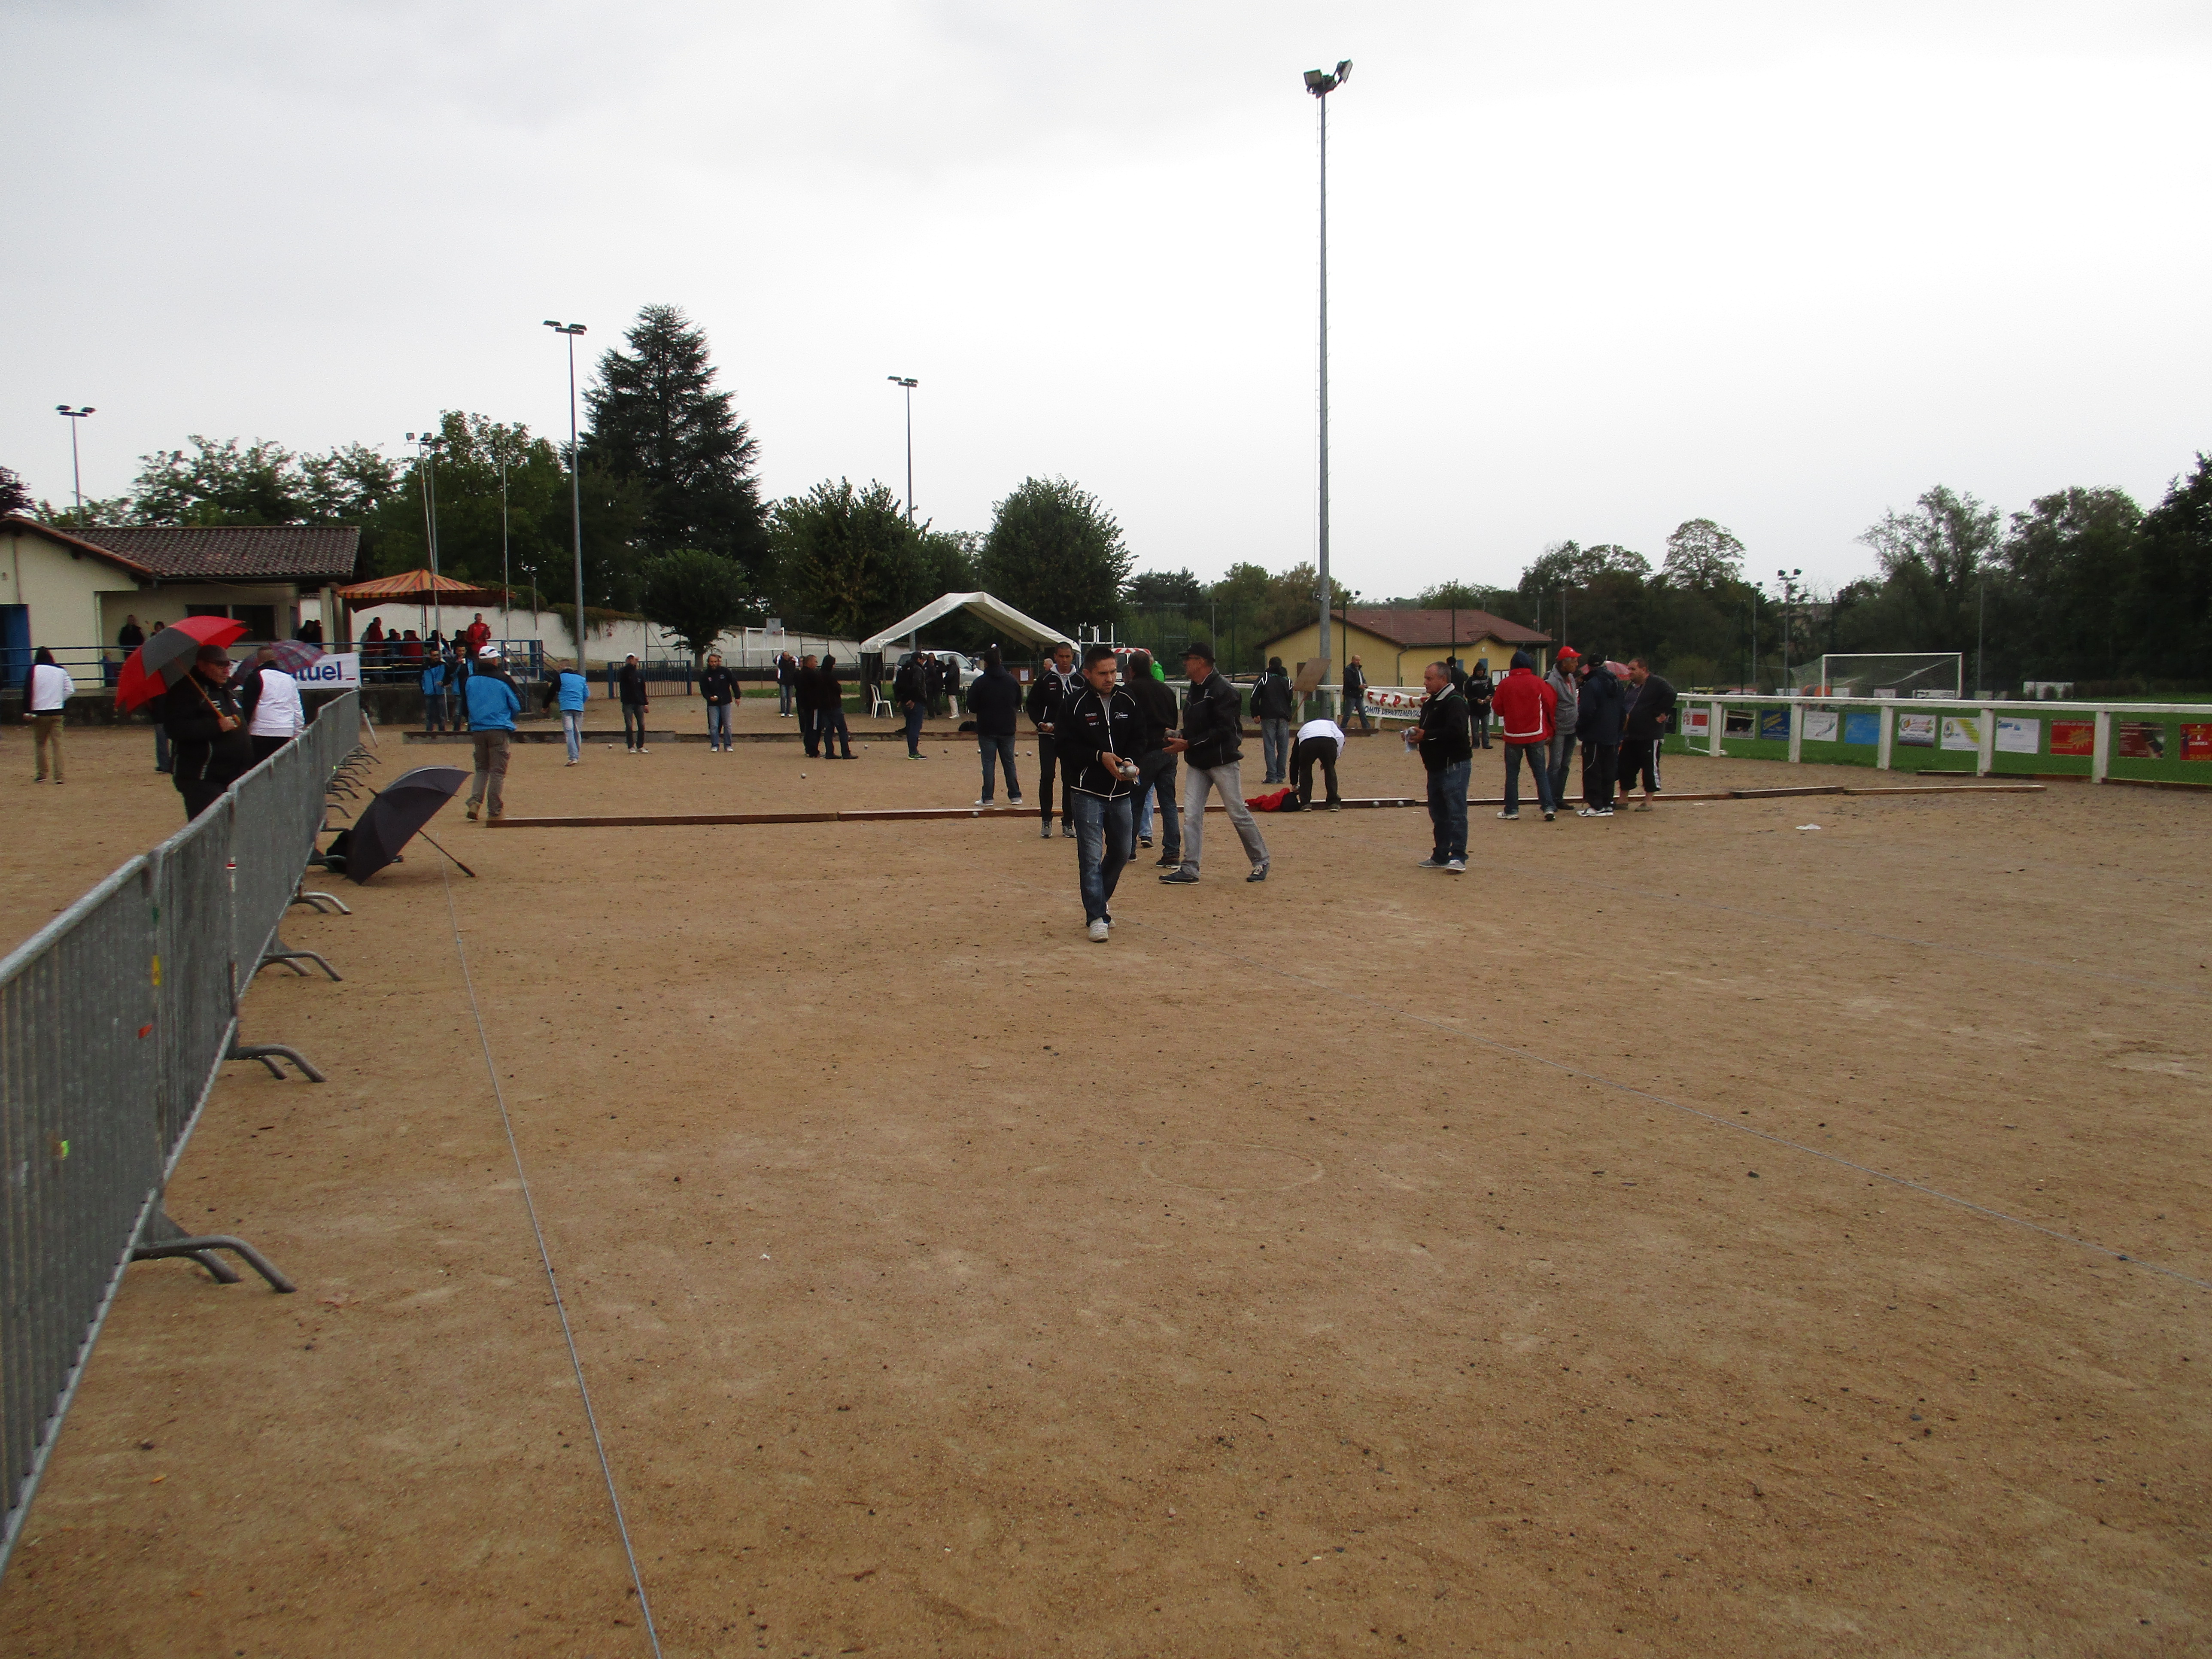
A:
<point x="2073" y="737"/>
<point x="1696" y="721"/>
<point x="2197" y="743"/>
<point x="1917" y="730"/>
<point x="2142" y="740"/>
<point x="2019" y="737"/>
<point x="1962" y="731"/>
<point x="335" y="670"/>
<point x="1774" y="723"/>
<point x="1862" y="726"/>
<point x="1820" y="725"/>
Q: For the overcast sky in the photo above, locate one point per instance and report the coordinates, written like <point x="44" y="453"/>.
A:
<point x="1596" y="268"/>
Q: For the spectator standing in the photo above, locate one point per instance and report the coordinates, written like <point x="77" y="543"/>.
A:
<point x="932" y="684"/>
<point x="1526" y="708"/>
<point x="129" y="636"/>
<point x="570" y="691"/>
<point x="1273" y="706"/>
<point x="1156" y="762"/>
<point x="1650" y="712"/>
<point x="1055" y="685"/>
<point x="1355" y="696"/>
<point x="47" y="692"/>
<point x="1095" y="735"/>
<point x="830" y="718"/>
<point x="245" y="683"/>
<point x="1567" y="691"/>
<point x="1447" y="746"/>
<point x="1211" y="744"/>
<point x="1321" y="742"/>
<point x="807" y="695"/>
<point x="493" y="704"/>
<point x="719" y="689"/>
<point x="787" y="682"/>
<point x="161" y="752"/>
<point x="277" y="716"/>
<point x="1597" y="726"/>
<point x="207" y="739"/>
<point x="457" y="688"/>
<point x="994" y="698"/>
<point x="950" y="700"/>
<point x="911" y="690"/>
<point x="478" y="635"/>
<point x="435" y="671"/>
<point x="630" y="681"/>
<point x="1479" y="690"/>
<point x="309" y="632"/>
<point x="410" y="654"/>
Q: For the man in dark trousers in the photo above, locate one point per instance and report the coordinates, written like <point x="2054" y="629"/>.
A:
<point x="1526" y="708"/>
<point x="630" y="680"/>
<point x="830" y="715"/>
<point x="911" y="692"/>
<point x="1650" y="712"/>
<point x="807" y="695"/>
<point x="994" y="697"/>
<point x="1096" y="733"/>
<point x="1597" y="726"/>
<point x="786" y="680"/>
<point x="719" y="687"/>
<point x="1156" y="764"/>
<point x="1479" y="690"/>
<point x="1447" y="750"/>
<point x="1320" y="743"/>
<point x="1055" y="685"/>
<point x="1355" y="697"/>
<point x="1272" y="705"/>
<point x="1212" y="745"/>
<point x="209" y="745"/>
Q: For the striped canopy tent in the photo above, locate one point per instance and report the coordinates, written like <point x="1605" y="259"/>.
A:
<point x="417" y="588"/>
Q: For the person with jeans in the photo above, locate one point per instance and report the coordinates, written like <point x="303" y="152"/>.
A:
<point x="629" y="682"/>
<point x="1355" y="697"/>
<point x="1446" y="747"/>
<point x="910" y="690"/>
<point x="996" y="698"/>
<point x="433" y="693"/>
<point x="46" y="693"/>
<point x="1525" y="705"/>
<point x="1479" y="690"/>
<point x="1272" y="705"/>
<point x="571" y="691"/>
<point x="493" y="704"/>
<point x="830" y="713"/>
<point x="1319" y="742"/>
<point x="1597" y="725"/>
<point x="1058" y="683"/>
<point x="787" y="682"/>
<point x="719" y="689"/>
<point x="1566" y="691"/>
<point x="1095" y="733"/>
<point x="1156" y="763"/>
<point x="805" y="696"/>
<point x="1211" y="743"/>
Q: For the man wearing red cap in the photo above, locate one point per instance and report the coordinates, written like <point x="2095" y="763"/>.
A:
<point x="1565" y="689"/>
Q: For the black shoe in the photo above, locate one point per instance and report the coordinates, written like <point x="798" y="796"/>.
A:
<point x="1182" y="876"/>
<point x="1259" y="873"/>
<point x="1170" y="861"/>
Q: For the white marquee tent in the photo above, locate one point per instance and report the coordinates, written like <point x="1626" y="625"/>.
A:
<point x="996" y="612"/>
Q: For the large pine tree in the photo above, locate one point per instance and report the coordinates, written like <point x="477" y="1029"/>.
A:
<point x="658" y="422"/>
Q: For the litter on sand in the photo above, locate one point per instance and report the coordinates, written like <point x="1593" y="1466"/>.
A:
<point x="1808" y="826"/>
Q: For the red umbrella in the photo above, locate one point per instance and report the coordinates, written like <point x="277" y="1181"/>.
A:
<point x="164" y="661"/>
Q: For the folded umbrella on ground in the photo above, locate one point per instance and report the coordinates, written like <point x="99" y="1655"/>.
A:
<point x="395" y="816"/>
<point x="164" y="661"/>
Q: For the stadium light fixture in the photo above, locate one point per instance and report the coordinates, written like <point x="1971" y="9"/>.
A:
<point x="575" y="482"/>
<point x="76" y="472"/>
<point x="1321" y="83"/>
<point x="908" y="382"/>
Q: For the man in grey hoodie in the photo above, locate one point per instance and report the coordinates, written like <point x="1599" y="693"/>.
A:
<point x="1562" y="681"/>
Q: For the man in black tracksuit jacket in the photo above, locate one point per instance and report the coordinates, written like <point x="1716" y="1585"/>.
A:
<point x="1597" y="727"/>
<point x="1211" y="745"/>
<point x="1651" y="711"/>
<point x="1054" y="686"/>
<point x="994" y="697"/>
<point x="1095" y="726"/>
<point x="1156" y="766"/>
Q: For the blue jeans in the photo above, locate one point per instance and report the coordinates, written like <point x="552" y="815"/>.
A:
<point x="1002" y="750"/>
<point x="1563" y="756"/>
<point x="1103" y="839"/>
<point x="572" y="727"/>
<point x="1540" y="774"/>
<point x="782" y="698"/>
<point x="915" y="711"/>
<point x="718" y="726"/>
<point x="1275" y="749"/>
<point x="830" y="725"/>
<point x="434" y="711"/>
<point x="1447" y="809"/>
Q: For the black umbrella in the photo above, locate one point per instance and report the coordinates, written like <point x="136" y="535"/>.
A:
<point x="395" y="816"/>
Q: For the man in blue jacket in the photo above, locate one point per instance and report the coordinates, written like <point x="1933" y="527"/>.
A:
<point x="493" y="705"/>
<point x="571" y="691"/>
<point x="434" y="694"/>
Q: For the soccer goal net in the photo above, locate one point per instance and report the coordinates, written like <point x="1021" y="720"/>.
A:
<point x="1885" y="674"/>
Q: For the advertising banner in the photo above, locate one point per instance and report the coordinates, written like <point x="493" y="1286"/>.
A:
<point x="2073" y="737"/>
<point x="335" y="673"/>
<point x="1962" y="731"/>
<point x="1862" y="726"/>
<point x="1739" y="723"/>
<point x="1917" y="730"/>
<point x="1820" y="725"/>
<point x="2142" y="740"/>
<point x="2197" y="743"/>
<point x="1697" y="721"/>
<point x="2019" y="737"/>
<point x="1774" y="723"/>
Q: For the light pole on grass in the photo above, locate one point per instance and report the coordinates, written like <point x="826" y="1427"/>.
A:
<point x="427" y="446"/>
<point x="76" y="472"/>
<point x="907" y="383"/>
<point x="1789" y="579"/>
<point x="1321" y="83"/>
<point x="575" y="483"/>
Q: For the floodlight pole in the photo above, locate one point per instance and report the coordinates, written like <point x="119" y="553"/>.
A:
<point x="575" y="483"/>
<point x="506" y="594"/>
<point x="1321" y="84"/>
<point x="76" y="472"/>
<point x="908" y="383"/>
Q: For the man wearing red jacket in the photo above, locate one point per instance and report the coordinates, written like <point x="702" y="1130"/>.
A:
<point x="1525" y="706"/>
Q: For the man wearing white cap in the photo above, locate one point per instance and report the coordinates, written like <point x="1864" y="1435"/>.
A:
<point x="493" y="705"/>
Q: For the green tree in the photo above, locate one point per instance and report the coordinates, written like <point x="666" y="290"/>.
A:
<point x="696" y="595"/>
<point x="1164" y="590"/>
<point x="1055" y="552"/>
<point x="2167" y="612"/>
<point x="1456" y="596"/>
<point x="14" y="498"/>
<point x="2069" y="563"/>
<point x="847" y="559"/>
<point x="1934" y="556"/>
<point x="222" y="482"/>
<point x="658" y="422"/>
<point x="1702" y="554"/>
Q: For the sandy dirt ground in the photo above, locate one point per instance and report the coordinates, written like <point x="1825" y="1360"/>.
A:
<point x="1668" y="1238"/>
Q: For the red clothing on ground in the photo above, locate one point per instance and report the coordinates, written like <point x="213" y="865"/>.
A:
<point x="1526" y="707"/>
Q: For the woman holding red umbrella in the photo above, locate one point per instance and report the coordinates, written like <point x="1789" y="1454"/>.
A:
<point x="209" y="746"/>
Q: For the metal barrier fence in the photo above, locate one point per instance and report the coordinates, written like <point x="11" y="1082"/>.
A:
<point x="114" y="1019"/>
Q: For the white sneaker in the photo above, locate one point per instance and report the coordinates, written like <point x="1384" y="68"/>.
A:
<point x="1509" y="817"/>
<point x="1457" y="866"/>
<point x="1098" y="931"/>
<point x="641" y="749"/>
<point x="980" y="801"/>
<point x="1587" y="812"/>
